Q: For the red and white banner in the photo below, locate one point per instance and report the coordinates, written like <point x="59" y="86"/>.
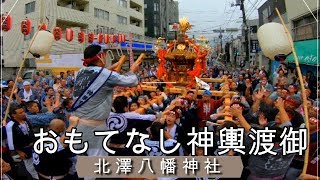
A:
<point x="130" y="49"/>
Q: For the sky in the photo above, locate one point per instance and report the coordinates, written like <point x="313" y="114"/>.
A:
<point x="207" y="15"/>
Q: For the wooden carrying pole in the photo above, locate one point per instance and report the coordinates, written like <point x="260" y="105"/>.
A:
<point x="304" y="97"/>
<point x="123" y="59"/>
<point x="214" y="80"/>
<point x="140" y="58"/>
<point x="120" y="63"/>
<point x="4" y="122"/>
<point x="177" y="90"/>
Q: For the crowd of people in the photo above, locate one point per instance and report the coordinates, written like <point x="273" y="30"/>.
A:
<point x="262" y="100"/>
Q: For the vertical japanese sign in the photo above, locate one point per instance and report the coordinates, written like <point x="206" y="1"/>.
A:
<point x="130" y="49"/>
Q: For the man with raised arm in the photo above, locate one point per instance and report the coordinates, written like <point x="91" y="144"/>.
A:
<point x="93" y="90"/>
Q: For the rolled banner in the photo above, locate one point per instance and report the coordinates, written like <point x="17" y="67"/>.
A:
<point x="42" y="43"/>
<point x="273" y="40"/>
<point x="121" y="61"/>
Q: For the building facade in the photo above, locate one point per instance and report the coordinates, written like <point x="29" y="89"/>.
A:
<point x="303" y="27"/>
<point x="112" y="17"/>
<point x="152" y="18"/>
<point x="173" y="17"/>
<point x="255" y="55"/>
<point x="158" y="15"/>
<point x="302" y="22"/>
<point x="267" y="12"/>
<point x="253" y="44"/>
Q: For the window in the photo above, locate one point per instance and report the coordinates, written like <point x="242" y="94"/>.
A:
<point x="156" y="7"/>
<point x="101" y="14"/>
<point x="269" y="11"/>
<point x="30" y="7"/>
<point x="253" y="29"/>
<point x="305" y="28"/>
<point x="122" y="3"/>
<point x="156" y="19"/>
<point x="156" y="31"/>
<point x="145" y="6"/>
<point x="145" y="29"/>
<point x="265" y="15"/>
<point x="122" y="20"/>
<point x="30" y="36"/>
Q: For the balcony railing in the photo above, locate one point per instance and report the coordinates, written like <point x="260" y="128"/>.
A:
<point x="140" y="2"/>
<point x="306" y="31"/>
<point x="78" y="2"/>
<point x="136" y="14"/>
<point x="72" y="15"/>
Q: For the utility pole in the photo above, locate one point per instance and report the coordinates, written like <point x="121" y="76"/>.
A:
<point x="41" y="12"/>
<point x="245" y="30"/>
<point x="220" y="31"/>
<point x="220" y="36"/>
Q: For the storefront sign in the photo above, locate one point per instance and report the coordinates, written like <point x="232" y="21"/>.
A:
<point x="306" y="52"/>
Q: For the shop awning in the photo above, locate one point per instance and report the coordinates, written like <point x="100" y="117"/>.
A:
<point x="307" y="52"/>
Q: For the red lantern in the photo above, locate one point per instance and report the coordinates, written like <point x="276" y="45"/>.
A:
<point x="57" y="33"/>
<point x="6" y="23"/>
<point x="115" y="38"/>
<point x="26" y="27"/>
<point x="111" y="38"/>
<point x="121" y="38"/>
<point x="69" y="34"/>
<point x="81" y="37"/>
<point x="106" y="38"/>
<point x="100" y="38"/>
<point x="90" y="37"/>
<point x="43" y="27"/>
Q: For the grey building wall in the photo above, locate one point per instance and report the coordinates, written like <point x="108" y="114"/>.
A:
<point x="152" y="18"/>
<point x="267" y="12"/>
<point x="80" y="14"/>
<point x="173" y="11"/>
<point x="302" y="23"/>
<point x="157" y="20"/>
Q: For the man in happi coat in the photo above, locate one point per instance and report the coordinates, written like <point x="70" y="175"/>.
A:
<point x="93" y="91"/>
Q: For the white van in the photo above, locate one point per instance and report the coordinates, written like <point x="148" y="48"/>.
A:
<point x="27" y="75"/>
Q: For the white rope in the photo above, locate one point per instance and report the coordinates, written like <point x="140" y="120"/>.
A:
<point x="310" y="10"/>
